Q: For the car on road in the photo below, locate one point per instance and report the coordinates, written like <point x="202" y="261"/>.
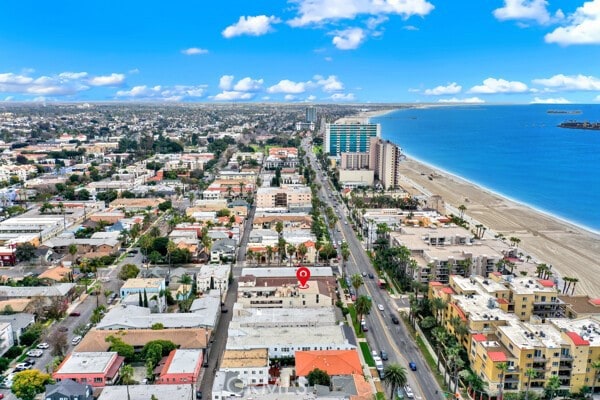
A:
<point x="380" y="306"/>
<point x="198" y="394"/>
<point x="409" y="392"/>
<point x="412" y="366"/>
<point x="74" y="314"/>
<point x="35" y="353"/>
<point x="383" y="355"/>
<point x="374" y="353"/>
<point x="43" y="346"/>
<point x="364" y="274"/>
<point x="395" y="319"/>
<point x="76" y="340"/>
<point x="22" y="367"/>
<point x="371" y="276"/>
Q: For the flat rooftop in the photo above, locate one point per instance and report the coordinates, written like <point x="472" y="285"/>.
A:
<point x="530" y="336"/>
<point x="282" y="317"/>
<point x="587" y="328"/>
<point x="88" y="362"/>
<point x="251" y="337"/>
<point x="143" y="283"/>
<point x="284" y="272"/>
<point x="145" y="392"/>
<point x="254" y="358"/>
<point x="184" y="361"/>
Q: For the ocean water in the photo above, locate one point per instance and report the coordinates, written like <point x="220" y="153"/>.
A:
<point x="517" y="151"/>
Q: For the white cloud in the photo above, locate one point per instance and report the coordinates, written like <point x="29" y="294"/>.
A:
<point x="410" y="28"/>
<point x="226" y="82"/>
<point x="232" y="95"/>
<point x="329" y="84"/>
<point x="253" y="26"/>
<point x="328" y="59"/>
<point x="72" y="75"/>
<point x="348" y="39"/>
<point x="163" y="93"/>
<point x="311" y="98"/>
<point x="133" y="71"/>
<point x="14" y="79"/>
<point x="289" y="97"/>
<point x="342" y="97"/>
<point x="248" y="85"/>
<point x="107" y="80"/>
<point x="451" y="88"/>
<point x="470" y="100"/>
<point x="374" y="22"/>
<point x="493" y="85"/>
<point x="583" y="26"/>
<point x="192" y="51"/>
<point x="534" y="10"/>
<point x="556" y="100"/>
<point x="570" y="82"/>
<point x="287" y="86"/>
<point x="321" y="11"/>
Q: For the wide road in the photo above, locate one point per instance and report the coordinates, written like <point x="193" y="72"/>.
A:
<point x="382" y="334"/>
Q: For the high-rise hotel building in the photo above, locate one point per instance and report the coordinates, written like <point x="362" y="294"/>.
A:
<point x="349" y="137"/>
<point x="384" y="159"/>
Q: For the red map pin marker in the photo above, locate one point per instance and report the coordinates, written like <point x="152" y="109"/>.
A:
<point x="303" y="275"/>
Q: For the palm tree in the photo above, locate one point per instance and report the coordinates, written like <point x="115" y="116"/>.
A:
<point x="441" y="338"/>
<point x="279" y="227"/>
<point x="474" y="382"/>
<point x="462" y="208"/>
<point x="552" y="386"/>
<point x="250" y="255"/>
<point x="127" y="377"/>
<point x="171" y="247"/>
<point x="269" y="255"/>
<point x="302" y="250"/>
<point x="596" y="366"/>
<point x="438" y="304"/>
<point x="574" y="282"/>
<point x="291" y="250"/>
<point x="394" y="376"/>
<point x="357" y="281"/>
<point x="529" y="373"/>
<point x="72" y="251"/>
<point x="362" y="305"/>
<point x="502" y="367"/>
<point x="280" y="249"/>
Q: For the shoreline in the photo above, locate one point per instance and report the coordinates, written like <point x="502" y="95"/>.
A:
<point x="573" y="224"/>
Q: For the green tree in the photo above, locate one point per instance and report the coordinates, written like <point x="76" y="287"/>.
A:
<point x="27" y="384"/>
<point x="31" y="334"/>
<point x="72" y="251"/>
<point x="145" y="299"/>
<point x="552" y="385"/>
<point x="165" y="205"/>
<point x="362" y="305"/>
<point x="357" y="281"/>
<point x="122" y="348"/>
<point x="145" y="243"/>
<point x="127" y="378"/>
<point x="318" y="377"/>
<point x="25" y="251"/>
<point x="394" y="376"/>
<point x="128" y="271"/>
<point x="530" y="373"/>
<point x="502" y="367"/>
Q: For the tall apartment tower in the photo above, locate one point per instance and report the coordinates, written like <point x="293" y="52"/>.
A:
<point x="311" y="115"/>
<point x="350" y="137"/>
<point x="384" y="159"/>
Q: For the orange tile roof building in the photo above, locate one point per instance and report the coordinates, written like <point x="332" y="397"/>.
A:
<point x="334" y="362"/>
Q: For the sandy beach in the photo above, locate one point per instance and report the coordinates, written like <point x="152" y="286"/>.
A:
<point x="572" y="251"/>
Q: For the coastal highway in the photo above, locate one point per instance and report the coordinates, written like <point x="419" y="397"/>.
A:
<point x="382" y="334"/>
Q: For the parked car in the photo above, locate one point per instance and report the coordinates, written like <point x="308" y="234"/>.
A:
<point x="383" y="355"/>
<point x="409" y="392"/>
<point x="380" y="306"/>
<point x="43" y="346"/>
<point x="412" y="366"/>
<point x="364" y="274"/>
<point x="35" y="353"/>
<point x="74" y="314"/>
<point x="22" y="367"/>
<point x="76" y="340"/>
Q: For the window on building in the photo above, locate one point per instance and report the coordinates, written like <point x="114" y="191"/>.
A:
<point x="98" y="380"/>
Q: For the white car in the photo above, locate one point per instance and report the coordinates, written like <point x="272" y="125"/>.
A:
<point x="43" y="346"/>
<point x="409" y="392"/>
<point x="380" y="306"/>
<point x="76" y="340"/>
<point x="35" y="353"/>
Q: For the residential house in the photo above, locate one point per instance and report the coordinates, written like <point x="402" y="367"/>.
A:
<point x="223" y="250"/>
<point x="57" y="274"/>
<point x="7" y="339"/>
<point x="136" y="204"/>
<point x="334" y="362"/>
<point x="19" y="323"/>
<point x="127" y="317"/>
<point x="181" y="367"/>
<point x="68" y="389"/>
<point x="184" y="338"/>
<point x="213" y="276"/>
<point x="153" y="287"/>
<point x="96" y="369"/>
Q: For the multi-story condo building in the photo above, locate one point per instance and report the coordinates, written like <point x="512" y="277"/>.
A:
<point x="384" y="159"/>
<point x="311" y="114"/>
<point x="287" y="196"/>
<point x="349" y="137"/>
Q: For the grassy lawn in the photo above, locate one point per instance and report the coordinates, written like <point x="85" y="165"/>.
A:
<point x="366" y="351"/>
<point x="343" y="283"/>
<point x="355" y="323"/>
<point x="380" y="396"/>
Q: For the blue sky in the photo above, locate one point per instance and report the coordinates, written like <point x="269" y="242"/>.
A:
<point x="493" y="51"/>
